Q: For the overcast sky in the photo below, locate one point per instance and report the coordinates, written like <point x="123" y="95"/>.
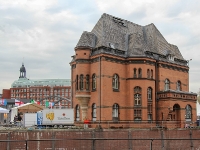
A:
<point x="43" y="33"/>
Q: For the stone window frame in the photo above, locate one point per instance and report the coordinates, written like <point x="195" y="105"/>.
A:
<point x="134" y="73"/>
<point x="115" y="110"/>
<point x="77" y="79"/>
<point x="151" y="73"/>
<point x="167" y="84"/>
<point x="188" y="112"/>
<point x="137" y="96"/>
<point x="148" y="74"/>
<point x="139" y="73"/>
<point x="77" y="113"/>
<point x="94" y="82"/>
<point x="81" y="82"/>
<point x="94" y="112"/>
<point x="149" y="94"/>
<point x="115" y="82"/>
<point x="178" y="85"/>
<point x="87" y="84"/>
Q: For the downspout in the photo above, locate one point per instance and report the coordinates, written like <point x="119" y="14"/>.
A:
<point x="99" y="91"/>
<point x="156" y="90"/>
<point x="72" y="87"/>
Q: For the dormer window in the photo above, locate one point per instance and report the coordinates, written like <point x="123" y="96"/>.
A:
<point x="171" y="57"/>
<point x="112" y="45"/>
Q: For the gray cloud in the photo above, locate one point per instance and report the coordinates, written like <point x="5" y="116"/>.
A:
<point x="45" y="34"/>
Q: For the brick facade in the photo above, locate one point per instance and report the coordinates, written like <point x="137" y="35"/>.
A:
<point x="122" y="82"/>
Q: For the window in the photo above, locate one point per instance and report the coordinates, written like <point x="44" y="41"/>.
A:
<point x="139" y="73"/>
<point x="94" y="84"/>
<point x="137" y="95"/>
<point x="77" y="113"/>
<point x="148" y="73"/>
<point x="115" y="112"/>
<point x="135" y="73"/>
<point x="137" y="112"/>
<point x="149" y="104"/>
<point x="87" y="86"/>
<point x="137" y="115"/>
<point x="167" y="84"/>
<point x="94" y="112"/>
<point x="151" y="74"/>
<point x="149" y="94"/>
<point x="115" y="82"/>
<point x="76" y="82"/>
<point x="178" y="86"/>
<point x="137" y="98"/>
<point x="81" y="82"/>
<point x="188" y="112"/>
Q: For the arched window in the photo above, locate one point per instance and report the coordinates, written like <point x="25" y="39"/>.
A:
<point x="137" y="98"/>
<point x="115" y="82"/>
<point x="139" y="73"/>
<point x="178" y="85"/>
<point x="115" y="112"/>
<point x="94" y="82"/>
<point x="87" y="85"/>
<point x="149" y="104"/>
<point x="94" y="112"/>
<point x="167" y="84"/>
<point x="81" y="82"/>
<point x="188" y="112"/>
<point x="151" y="74"/>
<point x="77" y="113"/>
<point x="76" y="82"/>
<point x="135" y="73"/>
<point x="149" y="94"/>
<point x="137" y="95"/>
<point x="148" y="73"/>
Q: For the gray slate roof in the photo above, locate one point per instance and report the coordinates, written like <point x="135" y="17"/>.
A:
<point x="126" y="36"/>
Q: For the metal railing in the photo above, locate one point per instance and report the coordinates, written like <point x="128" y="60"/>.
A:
<point x="93" y="146"/>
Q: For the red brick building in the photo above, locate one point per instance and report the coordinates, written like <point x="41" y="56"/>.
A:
<point x="124" y="72"/>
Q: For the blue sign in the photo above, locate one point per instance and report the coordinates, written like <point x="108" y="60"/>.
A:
<point x="39" y="118"/>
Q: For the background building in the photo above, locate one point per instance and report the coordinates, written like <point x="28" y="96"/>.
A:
<point x="40" y="90"/>
<point x="124" y="72"/>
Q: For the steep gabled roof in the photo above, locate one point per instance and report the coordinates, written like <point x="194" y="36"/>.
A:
<point x="126" y="36"/>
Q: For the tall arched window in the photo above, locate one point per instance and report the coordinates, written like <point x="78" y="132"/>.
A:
<point x="115" y="82"/>
<point x="76" y="82"/>
<point x="167" y="84"/>
<point x="188" y="112"/>
<point x="178" y="85"/>
<point x="115" y="112"/>
<point x="149" y="94"/>
<point x="81" y="81"/>
<point x="139" y="73"/>
<point x="137" y="95"/>
<point x="87" y="85"/>
<point x="151" y="74"/>
<point x="77" y="113"/>
<point x="149" y="104"/>
<point x="94" y="82"/>
<point x="135" y="73"/>
<point x="148" y="73"/>
<point x="94" y="112"/>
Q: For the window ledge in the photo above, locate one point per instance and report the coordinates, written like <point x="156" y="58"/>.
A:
<point x="115" y="90"/>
